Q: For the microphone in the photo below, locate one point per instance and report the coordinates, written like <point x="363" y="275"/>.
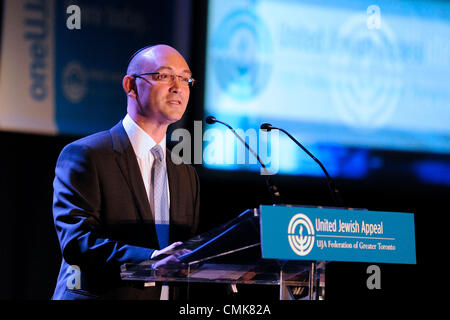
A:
<point x="210" y="120"/>
<point x="276" y="197"/>
<point x="331" y="185"/>
<point x="266" y="126"/>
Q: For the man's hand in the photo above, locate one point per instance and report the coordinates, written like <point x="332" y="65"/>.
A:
<point x="172" y="259"/>
<point x="166" y="250"/>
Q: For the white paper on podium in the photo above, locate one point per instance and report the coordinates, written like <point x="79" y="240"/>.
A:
<point x="221" y="271"/>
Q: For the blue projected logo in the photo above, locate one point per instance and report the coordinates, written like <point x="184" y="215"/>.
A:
<point x="242" y="53"/>
<point x="367" y="73"/>
<point x="74" y="82"/>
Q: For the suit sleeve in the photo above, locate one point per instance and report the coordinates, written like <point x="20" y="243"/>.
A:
<point x="77" y="213"/>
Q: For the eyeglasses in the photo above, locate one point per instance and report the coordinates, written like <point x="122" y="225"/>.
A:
<point x="166" y="78"/>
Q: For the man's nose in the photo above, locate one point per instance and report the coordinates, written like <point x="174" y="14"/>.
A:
<point x="176" y="85"/>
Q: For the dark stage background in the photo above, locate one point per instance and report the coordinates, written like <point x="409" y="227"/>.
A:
<point x="30" y="256"/>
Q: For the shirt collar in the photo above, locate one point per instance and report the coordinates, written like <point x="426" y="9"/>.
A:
<point x="141" y="141"/>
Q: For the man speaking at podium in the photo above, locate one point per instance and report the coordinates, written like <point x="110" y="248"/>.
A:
<point x="118" y="196"/>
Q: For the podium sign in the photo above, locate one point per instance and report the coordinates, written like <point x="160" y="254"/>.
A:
<point x="334" y="234"/>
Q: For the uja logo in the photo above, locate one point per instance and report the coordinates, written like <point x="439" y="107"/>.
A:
<point x="242" y="55"/>
<point x="366" y="69"/>
<point x="74" y="82"/>
<point x="301" y="234"/>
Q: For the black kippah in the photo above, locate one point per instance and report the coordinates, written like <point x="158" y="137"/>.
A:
<point x="136" y="53"/>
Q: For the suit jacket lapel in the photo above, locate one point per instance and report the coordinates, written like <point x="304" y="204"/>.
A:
<point x="172" y="177"/>
<point x="126" y="160"/>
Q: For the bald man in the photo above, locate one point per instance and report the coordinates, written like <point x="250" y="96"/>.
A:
<point x="118" y="196"/>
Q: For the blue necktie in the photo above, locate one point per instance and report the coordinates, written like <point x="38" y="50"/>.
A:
<point x="160" y="197"/>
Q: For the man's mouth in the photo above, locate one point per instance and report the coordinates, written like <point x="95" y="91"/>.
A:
<point x="174" y="101"/>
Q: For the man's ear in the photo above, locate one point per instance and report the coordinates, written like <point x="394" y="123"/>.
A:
<point x="128" y="86"/>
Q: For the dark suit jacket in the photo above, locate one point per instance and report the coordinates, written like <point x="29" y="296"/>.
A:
<point x="103" y="218"/>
